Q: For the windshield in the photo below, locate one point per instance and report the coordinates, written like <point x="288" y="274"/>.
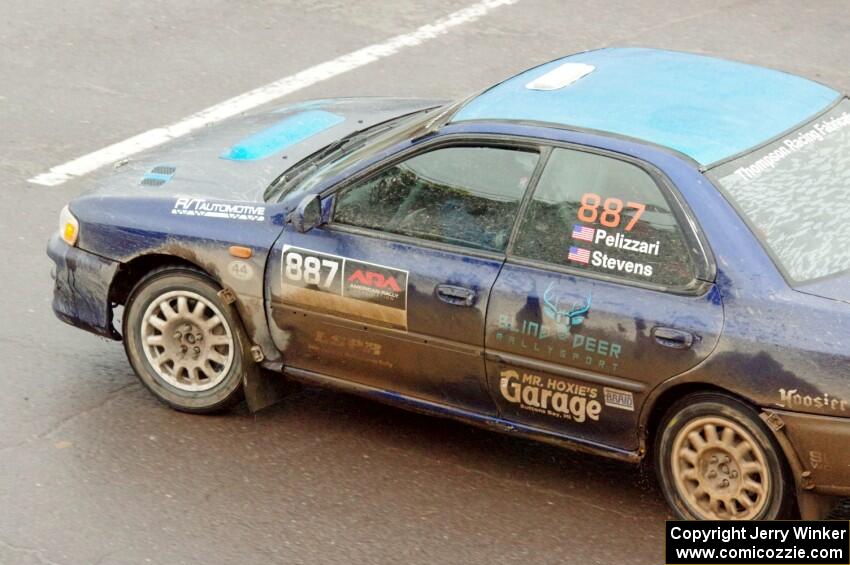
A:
<point x="795" y="195"/>
<point x="333" y="159"/>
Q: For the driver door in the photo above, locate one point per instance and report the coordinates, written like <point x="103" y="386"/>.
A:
<point x="392" y="291"/>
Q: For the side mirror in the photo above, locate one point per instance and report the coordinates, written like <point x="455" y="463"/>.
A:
<point x="308" y="214"/>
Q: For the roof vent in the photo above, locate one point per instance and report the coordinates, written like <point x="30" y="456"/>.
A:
<point x="561" y="76"/>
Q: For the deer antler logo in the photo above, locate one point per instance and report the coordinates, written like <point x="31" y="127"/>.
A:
<point x="573" y="316"/>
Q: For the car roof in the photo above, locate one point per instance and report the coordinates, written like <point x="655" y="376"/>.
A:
<point x="706" y="108"/>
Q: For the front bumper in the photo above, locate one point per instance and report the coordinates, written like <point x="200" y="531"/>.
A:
<point x="822" y="447"/>
<point x="81" y="289"/>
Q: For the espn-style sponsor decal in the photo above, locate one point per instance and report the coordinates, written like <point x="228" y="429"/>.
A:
<point x="223" y="210"/>
<point x="340" y="285"/>
<point x="550" y="396"/>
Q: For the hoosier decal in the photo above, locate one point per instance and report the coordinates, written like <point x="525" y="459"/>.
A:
<point x="339" y="285"/>
<point x="793" y="399"/>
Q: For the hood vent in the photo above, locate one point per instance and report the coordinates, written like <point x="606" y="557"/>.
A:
<point x="158" y="176"/>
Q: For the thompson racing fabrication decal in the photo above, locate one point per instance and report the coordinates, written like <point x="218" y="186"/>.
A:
<point x="340" y="285"/>
<point x="791" y="145"/>
<point x="225" y="210"/>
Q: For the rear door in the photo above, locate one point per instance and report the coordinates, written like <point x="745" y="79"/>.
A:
<point x="599" y="300"/>
<point x="392" y="292"/>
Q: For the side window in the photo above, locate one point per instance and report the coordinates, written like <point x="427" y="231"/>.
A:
<point x="606" y="216"/>
<point x="465" y="196"/>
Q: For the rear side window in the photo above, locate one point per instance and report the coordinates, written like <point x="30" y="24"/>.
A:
<point x="795" y="195"/>
<point x="466" y="196"/>
<point x="606" y="216"/>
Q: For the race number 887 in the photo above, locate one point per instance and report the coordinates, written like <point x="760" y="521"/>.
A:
<point x="310" y="269"/>
<point x="608" y="213"/>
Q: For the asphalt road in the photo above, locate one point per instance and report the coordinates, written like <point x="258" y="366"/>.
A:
<point x="94" y="470"/>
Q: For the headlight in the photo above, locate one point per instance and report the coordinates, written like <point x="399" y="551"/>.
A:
<point x="69" y="227"/>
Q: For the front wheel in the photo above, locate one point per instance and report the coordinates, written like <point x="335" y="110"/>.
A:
<point x="184" y="344"/>
<point x="716" y="460"/>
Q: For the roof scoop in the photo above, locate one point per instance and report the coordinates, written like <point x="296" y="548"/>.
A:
<point x="561" y="76"/>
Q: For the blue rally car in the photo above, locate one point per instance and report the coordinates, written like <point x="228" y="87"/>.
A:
<point x="636" y="253"/>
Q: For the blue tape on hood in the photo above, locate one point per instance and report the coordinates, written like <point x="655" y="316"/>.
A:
<point x="290" y="131"/>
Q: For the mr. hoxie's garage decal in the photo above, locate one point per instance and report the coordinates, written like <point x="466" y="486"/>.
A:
<point x="550" y="396"/>
<point x="344" y="286"/>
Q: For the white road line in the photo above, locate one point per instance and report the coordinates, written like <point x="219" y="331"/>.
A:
<point x="259" y="96"/>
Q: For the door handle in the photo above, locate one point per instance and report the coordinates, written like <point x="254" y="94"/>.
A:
<point x="676" y="339"/>
<point x="455" y="295"/>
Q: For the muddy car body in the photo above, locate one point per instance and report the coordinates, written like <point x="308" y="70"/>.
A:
<point x="586" y="254"/>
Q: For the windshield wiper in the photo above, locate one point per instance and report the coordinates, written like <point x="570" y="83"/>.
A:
<point x="316" y="160"/>
<point x="283" y="183"/>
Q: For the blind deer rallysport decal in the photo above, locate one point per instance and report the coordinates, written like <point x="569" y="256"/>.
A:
<point x="345" y="286"/>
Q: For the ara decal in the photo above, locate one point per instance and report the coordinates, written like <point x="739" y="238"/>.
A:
<point x="341" y="285"/>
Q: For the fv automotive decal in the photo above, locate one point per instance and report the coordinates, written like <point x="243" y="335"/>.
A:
<point x="223" y="210"/>
<point x="346" y="286"/>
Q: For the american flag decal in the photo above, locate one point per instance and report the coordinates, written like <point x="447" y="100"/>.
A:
<point x="583" y="232"/>
<point x="579" y="255"/>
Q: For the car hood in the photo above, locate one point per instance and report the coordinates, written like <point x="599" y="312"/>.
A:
<point x="238" y="158"/>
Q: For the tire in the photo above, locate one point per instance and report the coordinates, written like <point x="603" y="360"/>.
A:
<point x="187" y="359"/>
<point x="716" y="460"/>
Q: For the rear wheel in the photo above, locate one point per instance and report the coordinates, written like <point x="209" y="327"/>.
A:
<point x="716" y="460"/>
<point x="184" y="344"/>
